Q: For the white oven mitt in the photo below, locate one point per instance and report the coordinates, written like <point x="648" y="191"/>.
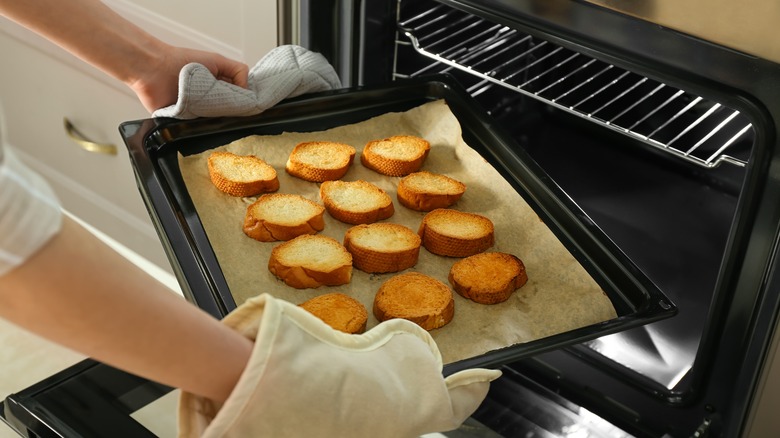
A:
<point x="305" y="379"/>
<point x="286" y="71"/>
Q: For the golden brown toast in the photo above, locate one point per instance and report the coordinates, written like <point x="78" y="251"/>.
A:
<point x="426" y="191"/>
<point x="455" y="233"/>
<point x="382" y="247"/>
<point x="241" y="175"/>
<point x="339" y="311"/>
<point x="282" y="216"/>
<point x="311" y="261"/>
<point x="319" y="161"/>
<point x="488" y="277"/>
<point x="398" y="155"/>
<point x="416" y="297"/>
<point x="356" y="202"/>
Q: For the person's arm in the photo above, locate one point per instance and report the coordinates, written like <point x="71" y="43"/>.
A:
<point x="99" y="36"/>
<point x="77" y="291"/>
<point x="80" y="293"/>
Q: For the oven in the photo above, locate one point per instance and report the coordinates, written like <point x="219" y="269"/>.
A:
<point x="657" y="125"/>
<point x="660" y="121"/>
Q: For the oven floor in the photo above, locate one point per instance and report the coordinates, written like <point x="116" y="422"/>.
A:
<point x="673" y="222"/>
<point x="517" y="406"/>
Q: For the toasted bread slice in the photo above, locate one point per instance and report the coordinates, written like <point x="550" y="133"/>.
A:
<point x="241" y="175"/>
<point x="311" y="261"/>
<point x="425" y="191"/>
<point x="417" y="297"/>
<point x="356" y="202"/>
<point x="489" y="277"/>
<point x="382" y="247"/>
<point x="339" y="311"/>
<point x="282" y="216"/>
<point x="395" y="156"/>
<point x="319" y="161"/>
<point x="455" y="233"/>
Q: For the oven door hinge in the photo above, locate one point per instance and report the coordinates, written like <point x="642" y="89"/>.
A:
<point x="710" y="427"/>
<point x="703" y="430"/>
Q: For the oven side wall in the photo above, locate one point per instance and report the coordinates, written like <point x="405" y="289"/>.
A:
<point x="763" y="419"/>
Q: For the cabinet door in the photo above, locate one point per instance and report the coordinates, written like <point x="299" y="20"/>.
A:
<point x="44" y="84"/>
<point x="37" y="93"/>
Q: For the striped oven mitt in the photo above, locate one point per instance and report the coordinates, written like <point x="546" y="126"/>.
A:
<point x="286" y="71"/>
<point x="305" y="379"/>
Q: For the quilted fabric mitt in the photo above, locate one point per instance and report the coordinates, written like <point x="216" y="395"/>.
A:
<point x="305" y="379"/>
<point x="286" y="71"/>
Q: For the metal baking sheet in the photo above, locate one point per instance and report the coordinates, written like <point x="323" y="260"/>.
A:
<point x="155" y="147"/>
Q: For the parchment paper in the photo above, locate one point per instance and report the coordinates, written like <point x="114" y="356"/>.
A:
<point x="559" y="296"/>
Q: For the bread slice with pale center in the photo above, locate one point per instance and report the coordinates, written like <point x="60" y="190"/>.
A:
<point x="398" y="155"/>
<point x="382" y="247"/>
<point x="282" y="216"/>
<point x="311" y="261"/>
<point x="356" y="202"/>
<point x="426" y="191"/>
<point x="416" y="297"/>
<point x="241" y="175"/>
<point x="319" y="161"/>
<point x="455" y="233"/>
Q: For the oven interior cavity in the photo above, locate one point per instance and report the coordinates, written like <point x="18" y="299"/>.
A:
<point x="658" y="168"/>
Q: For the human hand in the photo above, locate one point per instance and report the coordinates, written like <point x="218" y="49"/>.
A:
<point x="306" y="379"/>
<point x="286" y="71"/>
<point x="123" y="50"/>
<point x="157" y="85"/>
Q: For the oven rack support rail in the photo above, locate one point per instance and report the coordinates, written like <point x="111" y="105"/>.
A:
<point x="694" y="129"/>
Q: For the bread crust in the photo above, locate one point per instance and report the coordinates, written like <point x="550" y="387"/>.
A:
<point x="311" y="261"/>
<point x="319" y="161"/>
<point x="409" y="153"/>
<point x="356" y="202"/>
<point x="339" y="311"/>
<point x="455" y="233"/>
<point x="382" y="247"/>
<point x="415" y="297"/>
<point x="265" y="224"/>
<point x="267" y="180"/>
<point x="488" y="278"/>
<point x="426" y="191"/>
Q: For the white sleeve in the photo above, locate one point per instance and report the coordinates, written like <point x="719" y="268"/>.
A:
<point x="30" y="213"/>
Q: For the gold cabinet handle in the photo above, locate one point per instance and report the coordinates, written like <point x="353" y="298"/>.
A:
<point x="86" y="144"/>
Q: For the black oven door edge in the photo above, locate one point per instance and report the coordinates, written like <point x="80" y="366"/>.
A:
<point x="87" y="399"/>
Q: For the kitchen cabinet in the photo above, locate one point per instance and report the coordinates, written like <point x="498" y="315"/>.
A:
<point x="41" y="86"/>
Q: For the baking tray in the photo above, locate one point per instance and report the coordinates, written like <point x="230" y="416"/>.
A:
<point x="154" y="146"/>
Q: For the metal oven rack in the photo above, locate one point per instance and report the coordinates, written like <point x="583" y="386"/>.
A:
<point x="674" y="121"/>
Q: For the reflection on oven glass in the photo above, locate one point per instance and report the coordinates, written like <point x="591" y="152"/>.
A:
<point x="160" y="415"/>
<point x="647" y="353"/>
